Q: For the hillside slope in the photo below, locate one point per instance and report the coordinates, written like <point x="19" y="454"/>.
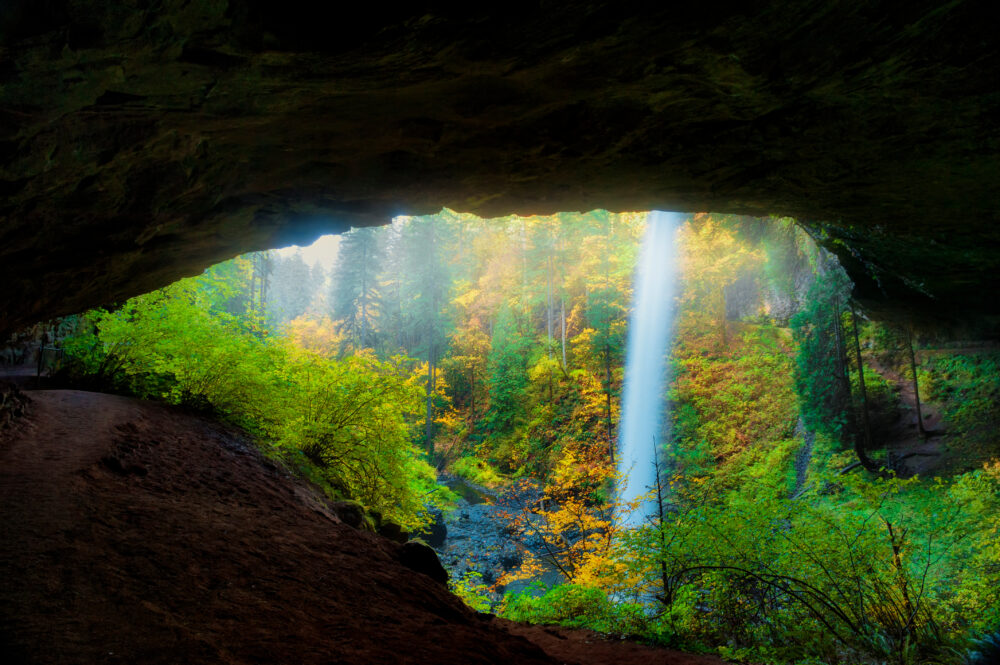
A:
<point x="132" y="532"/>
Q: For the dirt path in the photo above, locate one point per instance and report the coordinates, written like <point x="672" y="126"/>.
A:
<point x="584" y="646"/>
<point x="919" y="453"/>
<point x="137" y="533"/>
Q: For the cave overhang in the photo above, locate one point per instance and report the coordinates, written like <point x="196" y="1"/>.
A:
<point x="139" y="144"/>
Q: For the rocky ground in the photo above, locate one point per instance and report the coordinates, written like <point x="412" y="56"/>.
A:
<point x="476" y="540"/>
<point x="132" y="532"/>
<point x="480" y="538"/>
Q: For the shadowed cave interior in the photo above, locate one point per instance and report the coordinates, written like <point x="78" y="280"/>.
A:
<point x="144" y="143"/>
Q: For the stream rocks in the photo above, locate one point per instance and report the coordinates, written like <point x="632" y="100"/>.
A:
<point x="477" y="543"/>
<point x="351" y="513"/>
<point x="482" y="540"/>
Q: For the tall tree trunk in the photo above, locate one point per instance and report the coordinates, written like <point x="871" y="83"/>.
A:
<point x="667" y="598"/>
<point x="549" y="305"/>
<point x="472" y="398"/>
<point x="399" y="313"/>
<point x="265" y="270"/>
<point x="916" y="382"/>
<point x="431" y="351"/>
<point x="898" y="544"/>
<point x="429" y="424"/>
<point x="364" y="295"/>
<point x="524" y="269"/>
<point x="722" y="317"/>
<point x="843" y="377"/>
<point x="253" y="284"/>
<point x="562" y="321"/>
<point x="607" y="403"/>
<point x="859" y="448"/>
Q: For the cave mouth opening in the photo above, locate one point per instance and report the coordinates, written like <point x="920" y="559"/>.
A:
<point x="460" y="381"/>
<point x="476" y="317"/>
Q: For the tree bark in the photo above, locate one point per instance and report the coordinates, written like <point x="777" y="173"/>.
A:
<point x="667" y="598"/>
<point x="472" y="398"/>
<point x="916" y="382"/>
<point x="429" y="424"/>
<point x="562" y="320"/>
<point x="844" y="377"/>
<point x="607" y="403"/>
<point x="860" y="448"/>
<point x="364" y="296"/>
<point x="722" y="317"/>
<point x="549" y="305"/>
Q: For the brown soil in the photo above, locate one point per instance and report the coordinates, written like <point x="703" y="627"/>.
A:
<point x="590" y="648"/>
<point x="137" y="533"/>
<point x="916" y="452"/>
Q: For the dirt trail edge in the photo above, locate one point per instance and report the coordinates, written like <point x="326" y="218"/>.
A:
<point x="133" y="532"/>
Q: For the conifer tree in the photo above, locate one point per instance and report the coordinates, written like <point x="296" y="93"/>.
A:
<point x="425" y="292"/>
<point x="290" y="289"/>
<point x="354" y="294"/>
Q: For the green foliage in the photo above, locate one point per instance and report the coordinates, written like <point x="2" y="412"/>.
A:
<point x="968" y="388"/>
<point x="348" y="419"/>
<point x="878" y="571"/>
<point x="883" y="400"/>
<point x="355" y="294"/>
<point x="472" y="591"/>
<point x="508" y="378"/>
<point x="858" y="569"/>
<point x="579" y="606"/>
<point x="730" y="402"/>
<point x="476" y="470"/>
<point x="821" y="357"/>
<point x="291" y="288"/>
<point x="566" y="604"/>
<point x="519" y="324"/>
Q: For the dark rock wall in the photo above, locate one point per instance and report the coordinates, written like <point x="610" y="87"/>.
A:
<point x="141" y="141"/>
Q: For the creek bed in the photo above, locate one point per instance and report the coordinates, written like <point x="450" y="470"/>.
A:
<point x="479" y="539"/>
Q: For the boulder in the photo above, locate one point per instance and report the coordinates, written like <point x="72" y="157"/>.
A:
<point x="393" y="532"/>
<point x="418" y="556"/>
<point x="352" y="514"/>
<point x="436" y="533"/>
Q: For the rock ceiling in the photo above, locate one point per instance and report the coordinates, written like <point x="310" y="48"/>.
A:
<point x="142" y="141"/>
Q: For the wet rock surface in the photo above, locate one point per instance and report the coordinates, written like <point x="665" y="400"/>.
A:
<point x="482" y="540"/>
<point x="141" y="142"/>
<point x="478" y="543"/>
<point x="436" y="532"/>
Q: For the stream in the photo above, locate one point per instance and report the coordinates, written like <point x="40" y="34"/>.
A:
<point x="477" y="539"/>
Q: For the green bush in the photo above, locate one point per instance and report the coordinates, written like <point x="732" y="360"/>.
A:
<point x="968" y="389"/>
<point x="350" y="419"/>
<point x="566" y="605"/>
<point x="477" y="471"/>
<point x="472" y="591"/>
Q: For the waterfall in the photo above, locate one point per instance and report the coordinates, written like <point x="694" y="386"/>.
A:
<point x="645" y="361"/>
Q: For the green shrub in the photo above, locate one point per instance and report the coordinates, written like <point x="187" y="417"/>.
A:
<point x="477" y="471"/>
<point x="350" y="419"/>
<point x="566" y="605"/>
<point x="472" y="591"/>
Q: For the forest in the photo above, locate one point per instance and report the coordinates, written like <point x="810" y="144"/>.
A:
<point x="827" y="483"/>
